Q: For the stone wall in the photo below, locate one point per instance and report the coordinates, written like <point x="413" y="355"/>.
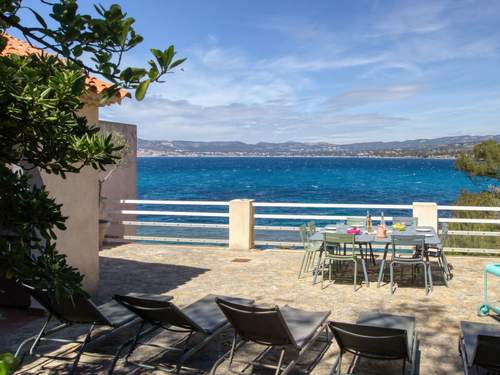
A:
<point x="121" y="184"/>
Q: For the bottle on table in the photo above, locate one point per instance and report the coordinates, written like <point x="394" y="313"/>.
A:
<point x="369" y="222"/>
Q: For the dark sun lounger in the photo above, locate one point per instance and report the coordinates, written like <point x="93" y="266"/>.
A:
<point x="77" y="311"/>
<point x="376" y="336"/>
<point x="292" y="330"/>
<point x="203" y="317"/>
<point x="479" y="347"/>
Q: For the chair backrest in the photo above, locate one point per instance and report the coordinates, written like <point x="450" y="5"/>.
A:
<point x="263" y="325"/>
<point x="359" y="222"/>
<point x="311" y="226"/>
<point x="77" y="309"/>
<point x="158" y="312"/>
<point x="407" y="240"/>
<point x="304" y="235"/>
<point x="374" y="342"/>
<point x="333" y="240"/>
<point x="338" y="238"/>
<point x="417" y="241"/>
<point x="406" y="220"/>
<point x="487" y="353"/>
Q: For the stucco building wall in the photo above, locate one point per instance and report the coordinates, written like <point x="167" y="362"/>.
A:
<point x="79" y="195"/>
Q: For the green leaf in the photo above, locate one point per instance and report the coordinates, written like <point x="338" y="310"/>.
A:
<point x="39" y="18"/>
<point x="168" y="55"/>
<point x="78" y="85"/>
<point x="140" y="91"/>
<point x="3" y="43"/>
<point x="177" y="63"/>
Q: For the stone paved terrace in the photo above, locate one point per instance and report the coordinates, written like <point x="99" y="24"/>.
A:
<point x="270" y="277"/>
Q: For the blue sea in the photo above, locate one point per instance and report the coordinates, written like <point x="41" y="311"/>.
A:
<point x="314" y="180"/>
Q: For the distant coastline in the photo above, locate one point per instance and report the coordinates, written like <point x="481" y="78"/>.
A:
<point x="297" y="156"/>
<point x="447" y="148"/>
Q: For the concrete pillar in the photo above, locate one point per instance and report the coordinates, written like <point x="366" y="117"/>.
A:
<point x="241" y="224"/>
<point x="427" y="214"/>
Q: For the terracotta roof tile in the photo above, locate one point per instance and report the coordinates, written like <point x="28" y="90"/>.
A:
<point x="21" y="48"/>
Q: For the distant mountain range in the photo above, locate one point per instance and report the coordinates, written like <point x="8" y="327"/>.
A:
<point x="438" y="147"/>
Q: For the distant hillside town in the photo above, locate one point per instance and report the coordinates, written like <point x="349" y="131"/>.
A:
<point x="445" y="147"/>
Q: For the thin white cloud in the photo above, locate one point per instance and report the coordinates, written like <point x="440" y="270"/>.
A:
<point x="361" y="97"/>
<point x="364" y="82"/>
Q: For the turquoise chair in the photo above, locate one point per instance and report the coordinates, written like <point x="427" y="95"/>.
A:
<point x="484" y="309"/>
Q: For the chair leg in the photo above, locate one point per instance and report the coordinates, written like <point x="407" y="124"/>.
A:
<point x="425" y="278"/>
<point x="367" y="280"/>
<point x="429" y="269"/>
<point x="278" y="367"/>
<point x="302" y="264"/>
<point x="391" y="270"/>
<point x="312" y="260"/>
<point x="322" y="269"/>
<point x="446" y="267"/>
<point x="355" y="274"/>
<point x="231" y="354"/>
<point x="134" y="343"/>
<point x="381" y="273"/>
<point x="81" y="349"/>
<point x="40" y="335"/>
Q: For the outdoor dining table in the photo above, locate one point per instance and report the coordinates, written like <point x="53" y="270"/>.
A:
<point x="431" y="240"/>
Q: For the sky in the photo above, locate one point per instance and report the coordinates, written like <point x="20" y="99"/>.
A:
<point x="317" y="71"/>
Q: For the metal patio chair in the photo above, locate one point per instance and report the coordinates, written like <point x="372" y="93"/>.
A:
<point x="479" y="347"/>
<point x="335" y="253"/>
<point x="312" y="227"/>
<point x="376" y="336"/>
<point x="417" y="257"/>
<point x="406" y="220"/>
<point x="77" y="311"/>
<point x="438" y="253"/>
<point x="202" y="317"/>
<point x="311" y="250"/>
<point x="292" y="330"/>
<point x="358" y="222"/>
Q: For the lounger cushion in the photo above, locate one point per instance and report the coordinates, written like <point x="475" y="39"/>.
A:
<point x="303" y="324"/>
<point x="402" y="322"/>
<point x="117" y="315"/>
<point x="471" y="330"/>
<point x="207" y="314"/>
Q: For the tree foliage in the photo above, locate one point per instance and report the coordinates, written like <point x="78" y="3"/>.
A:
<point x="486" y="199"/>
<point x="41" y="129"/>
<point x="483" y="161"/>
<point x="103" y="39"/>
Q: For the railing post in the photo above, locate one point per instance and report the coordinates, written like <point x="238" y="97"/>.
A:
<point x="427" y="214"/>
<point x="241" y="224"/>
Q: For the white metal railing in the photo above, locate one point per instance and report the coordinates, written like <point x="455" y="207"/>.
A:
<point x="277" y="217"/>
<point x="188" y="214"/>
<point x="336" y="205"/>
<point x="388" y="207"/>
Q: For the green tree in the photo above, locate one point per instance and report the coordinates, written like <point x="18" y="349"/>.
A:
<point x="40" y="127"/>
<point x="482" y="162"/>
